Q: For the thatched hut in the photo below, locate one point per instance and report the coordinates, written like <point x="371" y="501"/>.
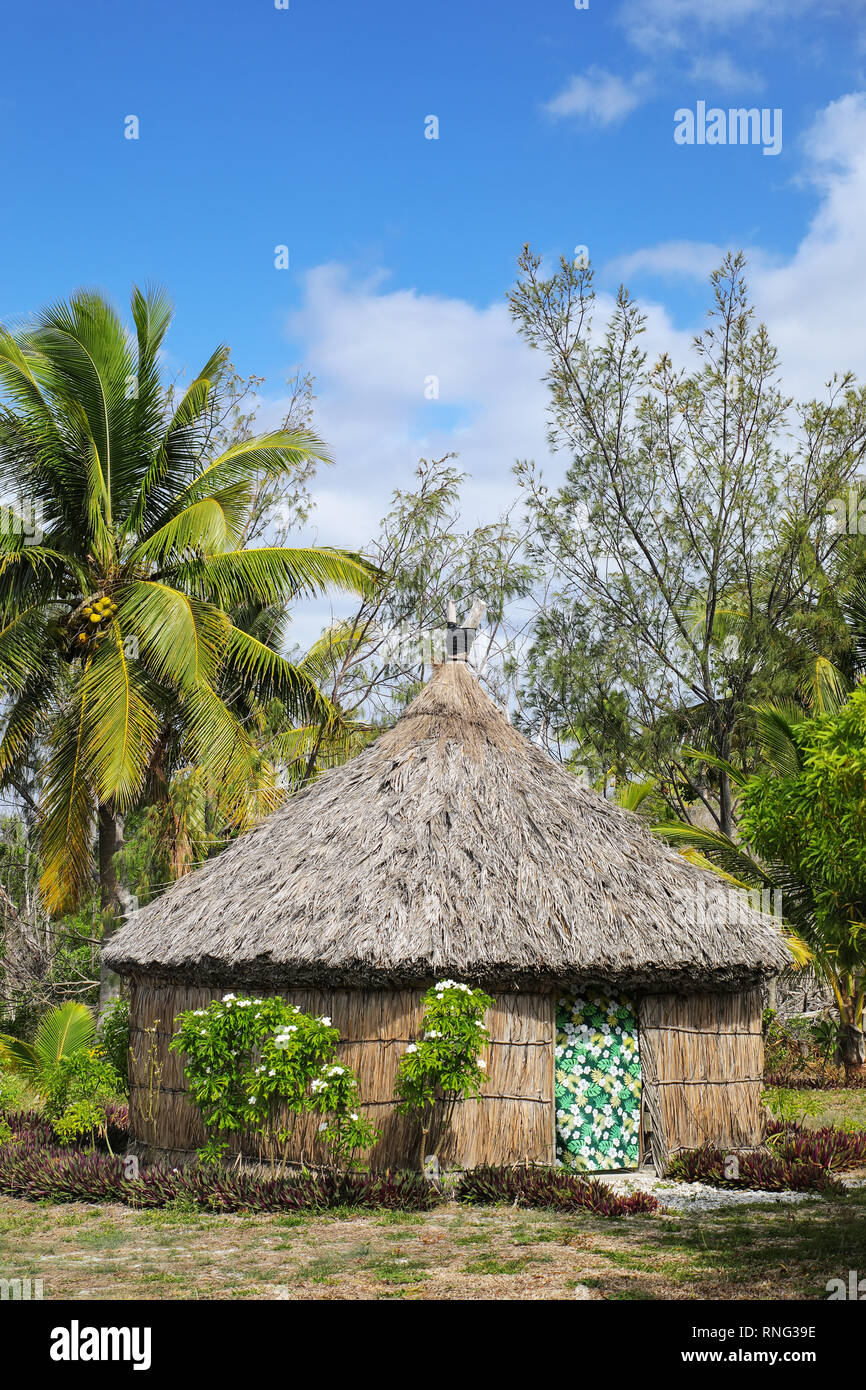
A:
<point x="627" y="982"/>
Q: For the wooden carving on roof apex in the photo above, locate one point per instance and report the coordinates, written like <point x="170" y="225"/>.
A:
<point x="459" y="640"/>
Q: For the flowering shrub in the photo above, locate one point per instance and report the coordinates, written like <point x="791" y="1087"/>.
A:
<point x="259" y="1064"/>
<point x="444" y="1066"/>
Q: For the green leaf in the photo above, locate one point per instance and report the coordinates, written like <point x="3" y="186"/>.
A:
<point x="776" y="723"/>
<point x="181" y="639"/>
<point x="121" y="724"/>
<point x="271" y="573"/>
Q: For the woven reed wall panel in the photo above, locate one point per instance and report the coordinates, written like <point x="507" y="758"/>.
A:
<point x="513" y="1121"/>
<point x="702" y="1059"/>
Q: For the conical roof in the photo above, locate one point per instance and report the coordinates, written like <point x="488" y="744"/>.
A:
<point x="451" y="846"/>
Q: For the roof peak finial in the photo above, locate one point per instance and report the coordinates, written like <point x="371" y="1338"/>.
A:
<point x="459" y="640"/>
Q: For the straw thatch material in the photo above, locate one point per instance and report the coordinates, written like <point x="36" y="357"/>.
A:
<point x="702" y="1062"/>
<point x="451" y="846"/>
<point x="513" y="1122"/>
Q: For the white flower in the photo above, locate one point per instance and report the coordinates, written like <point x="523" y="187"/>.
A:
<point x="353" y="1116"/>
<point x="227" y="998"/>
<point x="326" y="1021"/>
<point x="272" y="1072"/>
<point x="323" y="1125"/>
<point x="412" y="1048"/>
<point x="482" y="1064"/>
<point x="252" y="1100"/>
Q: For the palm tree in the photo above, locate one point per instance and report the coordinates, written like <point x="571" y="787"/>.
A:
<point x="67" y="1029"/>
<point x="118" y="631"/>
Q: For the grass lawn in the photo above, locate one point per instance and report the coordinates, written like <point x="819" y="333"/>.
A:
<point x="814" y="1108"/>
<point x="82" y="1251"/>
<point x="765" y="1251"/>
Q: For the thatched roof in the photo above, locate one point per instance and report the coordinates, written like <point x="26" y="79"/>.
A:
<point x="451" y="846"/>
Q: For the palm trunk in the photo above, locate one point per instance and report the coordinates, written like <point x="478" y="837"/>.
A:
<point x="112" y="898"/>
<point x="726" y="806"/>
<point x="852" y="1052"/>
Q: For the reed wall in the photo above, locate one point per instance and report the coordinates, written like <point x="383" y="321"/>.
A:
<point x="702" y="1059"/>
<point x="513" y="1122"/>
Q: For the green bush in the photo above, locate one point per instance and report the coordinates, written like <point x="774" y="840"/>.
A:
<point x="78" y="1090"/>
<point x="83" y="1075"/>
<point x="16" y="1091"/>
<point x="114" y="1039"/>
<point x="800" y="1048"/>
<point x="82" y="1119"/>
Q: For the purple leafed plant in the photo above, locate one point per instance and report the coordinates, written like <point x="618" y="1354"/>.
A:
<point x="552" y="1188"/>
<point x="831" y="1147"/>
<point x="33" y="1167"/>
<point x="754" y="1170"/>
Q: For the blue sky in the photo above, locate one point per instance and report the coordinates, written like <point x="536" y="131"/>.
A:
<point x="305" y="127"/>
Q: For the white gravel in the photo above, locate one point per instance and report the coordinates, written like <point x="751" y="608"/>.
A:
<point x="696" y="1196"/>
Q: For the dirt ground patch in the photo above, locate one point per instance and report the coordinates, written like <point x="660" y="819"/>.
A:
<point x="83" y="1251"/>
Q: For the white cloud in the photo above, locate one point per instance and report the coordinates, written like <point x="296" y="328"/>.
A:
<point x="670" y="24"/>
<point x="371" y="350"/>
<point x="721" y="73"/>
<point x="814" y="302"/>
<point x="601" y="96"/>
<point x="669" y="260"/>
<point x="374" y="352"/>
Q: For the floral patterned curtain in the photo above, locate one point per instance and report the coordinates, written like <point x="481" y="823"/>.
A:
<point x="598" y="1083"/>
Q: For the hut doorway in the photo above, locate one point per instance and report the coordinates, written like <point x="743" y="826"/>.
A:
<point x="597" y="1083"/>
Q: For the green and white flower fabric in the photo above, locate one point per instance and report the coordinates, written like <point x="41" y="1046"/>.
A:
<point x="598" y="1084"/>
